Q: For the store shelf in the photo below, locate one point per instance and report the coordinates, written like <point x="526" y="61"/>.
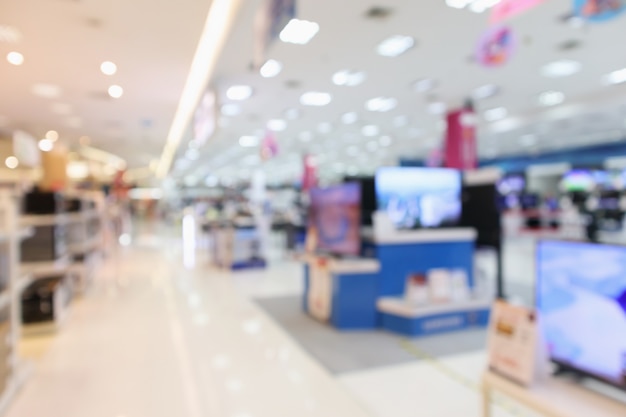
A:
<point x="86" y="246"/>
<point x="22" y="282"/>
<point x="26" y="232"/>
<point x="37" y="269"/>
<point x="44" y="219"/>
<point x="23" y="371"/>
<point x="5" y="298"/>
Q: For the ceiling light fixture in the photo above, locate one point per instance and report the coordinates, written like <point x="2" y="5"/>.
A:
<point x="271" y="68"/>
<point x="551" y="98"/>
<point x="437" y="107"/>
<point x="370" y="130"/>
<point x="248" y="141"/>
<point x="400" y="121"/>
<point x="277" y="125"/>
<point x="495" y="114"/>
<point x="325" y="128"/>
<point x="349" y="118"/>
<point x="299" y="32"/>
<point x="239" y="92"/>
<point x="220" y="19"/>
<point x="52" y="135"/>
<point x="315" y="98"/>
<point x="11" y="162"/>
<point x="424" y="85"/>
<point x="9" y="34"/>
<point x="230" y="109"/>
<point x="108" y="68"/>
<point x="305" y="136"/>
<point x="616" y="77"/>
<point x="46" y="90"/>
<point x="395" y="45"/>
<point x="381" y="104"/>
<point x="45" y="145"/>
<point x="385" y="141"/>
<point x="116" y="91"/>
<point x="348" y="78"/>
<point x="15" y="58"/>
<point x="292" y="114"/>
<point x="561" y="68"/>
<point x="485" y="91"/>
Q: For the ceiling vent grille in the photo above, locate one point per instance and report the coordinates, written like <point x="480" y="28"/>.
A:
<point x="378" y="13"/>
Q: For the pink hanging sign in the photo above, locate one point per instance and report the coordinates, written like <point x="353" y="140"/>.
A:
<point x="507" y="9"/>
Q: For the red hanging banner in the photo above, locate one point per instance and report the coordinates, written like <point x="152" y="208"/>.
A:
<point x="460" y="146"/>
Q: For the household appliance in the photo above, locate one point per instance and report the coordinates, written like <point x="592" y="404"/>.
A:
<point x="581" y="298"/>
<point x="420" y="197"/>
<point x="335" y="219"/>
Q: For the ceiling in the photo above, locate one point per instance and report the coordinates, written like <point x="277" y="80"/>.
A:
<point x="445" y="41"/>
<point x="63" y="42"/>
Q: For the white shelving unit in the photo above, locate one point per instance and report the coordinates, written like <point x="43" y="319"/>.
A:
<point x="14" y="371"/>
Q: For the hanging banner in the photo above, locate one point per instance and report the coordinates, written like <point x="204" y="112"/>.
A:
<point x="495" y="47"/>
<point x="508" y="9"/>
<point x="309" y="178"/>
<point x="460" y="145"/>
<point x="271" y="19"/>
<point x="599" y="10"/>
<point x="269" y="146"/>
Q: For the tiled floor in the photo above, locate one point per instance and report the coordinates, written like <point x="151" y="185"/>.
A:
<point x="154" y="339"/>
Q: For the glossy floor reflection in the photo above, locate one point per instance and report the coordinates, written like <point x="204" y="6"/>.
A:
<point x="156" y="339"/>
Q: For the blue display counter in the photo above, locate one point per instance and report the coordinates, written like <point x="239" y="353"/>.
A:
<point x="358" y="293"/>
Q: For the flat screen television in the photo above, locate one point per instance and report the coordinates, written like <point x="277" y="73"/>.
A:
<point x="511" y="184"/>
<point x="335" y="218"/>
<point x="581" y="296"/>
<point x="420" y="197"/>
<point x="578" y="180"/>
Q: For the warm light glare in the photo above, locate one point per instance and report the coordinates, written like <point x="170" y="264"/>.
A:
<point x="15" y="58"/>
<point x="108" y="68"/>
<point x="116" y="91"/>
<point x="52" y="135"/>
<point x="45" y="145"/>
<point x="11" y="162"/>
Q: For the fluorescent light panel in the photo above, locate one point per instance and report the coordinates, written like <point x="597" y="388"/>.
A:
<point x="395" y="45"/>
<point x="299" y="32"/>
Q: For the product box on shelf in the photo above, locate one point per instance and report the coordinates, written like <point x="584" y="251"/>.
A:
<point x="45" y="300"/>
<point x="46" y="244"/>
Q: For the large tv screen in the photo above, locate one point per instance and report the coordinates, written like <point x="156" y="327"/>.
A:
<point x="578" y="180"/>
<point x="581" y="296"/>
<point x="420" y="197"/>
<point x="335" y="218"/>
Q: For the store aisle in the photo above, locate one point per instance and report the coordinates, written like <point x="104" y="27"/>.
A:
<point x="153" y="339"/>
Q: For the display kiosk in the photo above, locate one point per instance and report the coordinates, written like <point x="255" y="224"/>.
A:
<point x="237" y="245"/>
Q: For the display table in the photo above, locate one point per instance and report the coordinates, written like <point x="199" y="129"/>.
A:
<point x="342" y="292"/>
<point x="552" y="398"/>
<point x="402" y="316"/>
<point x="237" y="247"/>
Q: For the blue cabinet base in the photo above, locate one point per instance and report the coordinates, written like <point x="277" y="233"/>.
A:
<point x="435" y="324"/>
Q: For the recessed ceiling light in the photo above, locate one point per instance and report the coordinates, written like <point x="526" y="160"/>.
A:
<point x="52" y="135"/>
<point x="395" y="45"/>
<point x="299" y="32"/>
<point x="551" y="98"/>
<point x="437" y="107"/>
<point x="381" y="104"/>
<point x="116" y="91"/>
<point x="458" y="4"/>
<point x="292" y="114"/>
<point x="239" y="92"/>
<point x="485" y="91"/>
<point x="325" y="128"/>
<point x="192" y="154"/>
<point x="315" y="98"/>
<point x="400" y="121"/>
<point x="277" y="125"/>
<point x="305" y="136"/>
<point x="248" y="141"/>
<point x="108" y="68"/>
<point x="61" y="108"/>
<point x="385" y="141"/>
<point x="348" y="78"/>
<point x="561" y="68"/>
<point x="616" y="77"/>
<point x="271" y="68"/>
<point x="349" y="118"/>
<point x="424" y="85"/>
<point x="370" y="130"/>
<point x="45" y="145"/>
<point x="46" y="90"/>
<point x="495" y="114"/>
<point x="211" y="181"/>
<point x="11" y="162"/>
<point x="9" y="34"/>
<point x="230" y="109"/>
<point x="15" y="58"/>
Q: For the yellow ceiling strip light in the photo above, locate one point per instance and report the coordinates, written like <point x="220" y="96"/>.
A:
<point x="104" y="157"/>
<point x="216" y="29"/>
